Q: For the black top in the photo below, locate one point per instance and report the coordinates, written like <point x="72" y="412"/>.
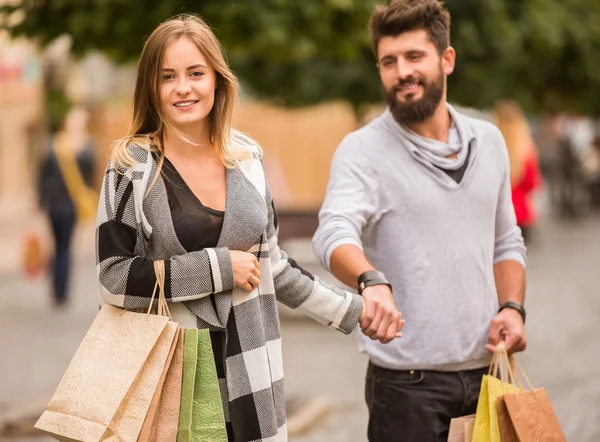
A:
<point x="458" y="174"/>
<point x="197" y="226"/>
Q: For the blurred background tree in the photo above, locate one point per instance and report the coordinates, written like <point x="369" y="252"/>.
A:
<point x="543" y="53"/>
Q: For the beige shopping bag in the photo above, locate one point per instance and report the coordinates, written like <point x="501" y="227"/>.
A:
<point x="162" y="419"/>
<point x="459" y="427"/>
<point x="469" y="427"/>
<point x="107" y="389"/>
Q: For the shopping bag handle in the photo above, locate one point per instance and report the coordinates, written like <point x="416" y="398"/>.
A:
<point x="163" y="307"/>
<point x="509" y="368"/>
<point x="501" y="365"/>
<point x="520" y="373"/>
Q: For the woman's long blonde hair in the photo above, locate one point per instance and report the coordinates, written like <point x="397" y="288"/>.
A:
<point x="149" y="120"/>
<point x="512" y="122"/>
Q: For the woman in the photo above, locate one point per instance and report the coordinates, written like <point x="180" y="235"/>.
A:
<point x="525" y="173"/>
<point x="185" y="188"/>
<point x="72" y="142"/>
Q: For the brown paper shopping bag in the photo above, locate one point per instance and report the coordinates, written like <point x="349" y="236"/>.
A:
<point x="459" y="427"/>
<point x="531" y="414"/>
<point x="507" y="430"/>
<point x="162" y="419"/>
<point x="107" y="389"/>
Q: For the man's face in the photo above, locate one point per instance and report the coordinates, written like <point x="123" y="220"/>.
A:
<point x="413" y="75"/>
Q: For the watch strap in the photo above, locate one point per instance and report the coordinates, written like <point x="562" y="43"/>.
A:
<point x="515" y="306"/>
<point x="371" y="278"/>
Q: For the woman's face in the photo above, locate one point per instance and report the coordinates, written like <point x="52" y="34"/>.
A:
<point x="187" y="84"/>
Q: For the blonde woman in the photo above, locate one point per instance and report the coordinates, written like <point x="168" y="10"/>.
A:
<point x="525" y="175"/>
<point x="185" y="188"/>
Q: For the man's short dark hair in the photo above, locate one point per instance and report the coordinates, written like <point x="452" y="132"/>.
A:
<point x="411" y="15"/>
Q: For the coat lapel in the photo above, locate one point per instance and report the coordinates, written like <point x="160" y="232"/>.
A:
<point x="244" y="223"/>
<point x="245" y="212"/>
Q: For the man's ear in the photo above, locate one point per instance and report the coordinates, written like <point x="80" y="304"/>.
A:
<point x="448" y="60"/>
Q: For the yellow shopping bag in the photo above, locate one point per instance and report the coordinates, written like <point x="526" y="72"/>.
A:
<point x="486" y="427"/>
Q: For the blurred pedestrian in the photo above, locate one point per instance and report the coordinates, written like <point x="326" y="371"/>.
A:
<point x="525" y="175"/>
<point x="186" y="188"/>
<point x="66" y="171"/>
<point x="418" y="213"/>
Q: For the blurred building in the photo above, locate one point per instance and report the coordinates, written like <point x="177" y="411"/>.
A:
<point x="20" y="112"/>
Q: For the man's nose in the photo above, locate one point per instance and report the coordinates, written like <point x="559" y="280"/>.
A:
<point x="403" y="69"/>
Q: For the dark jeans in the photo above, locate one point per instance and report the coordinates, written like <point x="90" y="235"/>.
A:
<point x="417" y="406"/>
<point x="63" y="222"/>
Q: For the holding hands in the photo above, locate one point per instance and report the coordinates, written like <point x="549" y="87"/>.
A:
<point x="380" y="320"/>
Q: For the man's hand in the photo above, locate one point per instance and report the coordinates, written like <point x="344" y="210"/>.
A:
<point x="507" y="326"/>
<point x="380" y="320"/>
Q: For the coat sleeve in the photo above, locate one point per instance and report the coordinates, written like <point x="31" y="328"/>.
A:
<point x="126" y="276"/>
<point x="303" y="291"/>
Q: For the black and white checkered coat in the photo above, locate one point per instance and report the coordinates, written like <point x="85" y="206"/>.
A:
<point x="134" y="227"/>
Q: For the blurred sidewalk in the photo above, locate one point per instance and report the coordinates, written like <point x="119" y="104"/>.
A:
<point x="17" y="219"/>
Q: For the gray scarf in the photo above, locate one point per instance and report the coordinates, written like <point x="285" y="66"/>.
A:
<point x="434" y="151"/>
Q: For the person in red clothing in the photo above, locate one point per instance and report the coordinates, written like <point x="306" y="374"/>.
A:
<point x="525" y="175"/>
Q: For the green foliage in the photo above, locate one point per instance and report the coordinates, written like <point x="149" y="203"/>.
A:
<point x="542" y="52"/>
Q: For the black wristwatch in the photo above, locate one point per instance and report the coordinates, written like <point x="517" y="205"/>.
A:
<point x="370" y="278"/>
<point x="515" y="306"/>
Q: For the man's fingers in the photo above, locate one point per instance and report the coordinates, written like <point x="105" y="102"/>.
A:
<point x="391" y="333"/>
<point x="384" y="326"/>
<point x="515" y="343"/>
<point x="494" y="334"/>
<point x="373" y="326"/>
<point x="400" y="325"/>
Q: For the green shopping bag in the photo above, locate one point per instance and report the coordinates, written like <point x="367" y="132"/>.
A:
<point x="201" y="417"/>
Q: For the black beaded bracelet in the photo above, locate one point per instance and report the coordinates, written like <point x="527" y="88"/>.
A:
<point x="371" y="278"/>
<point x="515" y="306"/>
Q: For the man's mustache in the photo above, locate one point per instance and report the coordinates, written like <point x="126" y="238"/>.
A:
<point x="408" y="80"/>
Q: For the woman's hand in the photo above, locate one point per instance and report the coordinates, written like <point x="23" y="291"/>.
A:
<point x="246" y="273"/>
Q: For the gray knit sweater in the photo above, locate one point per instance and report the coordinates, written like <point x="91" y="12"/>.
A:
<point x="436" y="240"/>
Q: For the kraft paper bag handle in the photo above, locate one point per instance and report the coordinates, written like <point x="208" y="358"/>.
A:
<point x="163" y="307"/>
<point x="503" y="368"/>
<point x="520" y="373"/>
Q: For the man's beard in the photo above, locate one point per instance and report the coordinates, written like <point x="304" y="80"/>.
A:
<point x="417" y="111"/>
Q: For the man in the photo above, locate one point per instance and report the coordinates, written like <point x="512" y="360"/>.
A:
<point x="418" y="213"/>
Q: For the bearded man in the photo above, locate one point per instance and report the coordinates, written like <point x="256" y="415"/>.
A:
<point x="418" y="216"/>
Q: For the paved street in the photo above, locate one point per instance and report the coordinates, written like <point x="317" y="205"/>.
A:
<point x="37" y="342"/>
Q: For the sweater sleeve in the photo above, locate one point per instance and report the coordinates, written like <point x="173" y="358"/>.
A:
<point x="303" y="291"/>
<point x="126" y="276"/>
<point x="351" y="201"/>
<point x="509" y="244"/>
